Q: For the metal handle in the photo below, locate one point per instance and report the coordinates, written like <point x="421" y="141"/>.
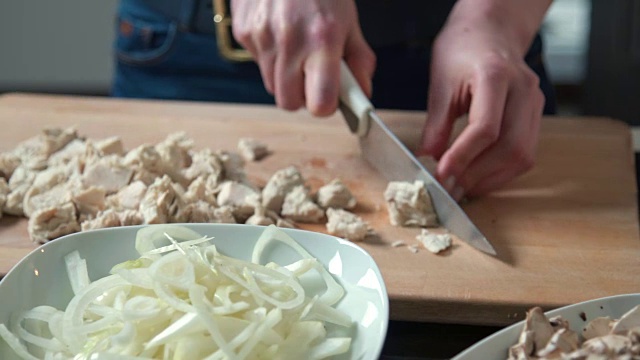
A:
<point x="354" y="104"/>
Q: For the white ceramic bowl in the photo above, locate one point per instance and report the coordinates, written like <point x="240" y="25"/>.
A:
<point x="497" y="345"/>
<point x="41" y="277"/>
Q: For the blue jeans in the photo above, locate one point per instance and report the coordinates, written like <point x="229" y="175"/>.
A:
<point x="158" y="58"/>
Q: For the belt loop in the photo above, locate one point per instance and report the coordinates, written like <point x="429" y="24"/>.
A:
<point x="187" y="17"/>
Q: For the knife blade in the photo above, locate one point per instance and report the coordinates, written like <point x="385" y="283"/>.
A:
<point x="388" y="155"/>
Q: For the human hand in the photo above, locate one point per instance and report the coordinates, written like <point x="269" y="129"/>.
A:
<point x="298" y="46"/>
<point x="478" y="68"/>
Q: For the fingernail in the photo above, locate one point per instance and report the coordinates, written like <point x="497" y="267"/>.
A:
<point x="457" y="193"/>
<point x="449" y="183"/>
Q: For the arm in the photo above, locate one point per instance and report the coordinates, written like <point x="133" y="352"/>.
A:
<point x="478" y="68"/>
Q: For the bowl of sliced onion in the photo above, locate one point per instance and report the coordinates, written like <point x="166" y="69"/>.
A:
<point x="194" y="291"/>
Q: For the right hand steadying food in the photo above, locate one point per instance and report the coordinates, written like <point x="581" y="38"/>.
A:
<point x="298" y="46"/>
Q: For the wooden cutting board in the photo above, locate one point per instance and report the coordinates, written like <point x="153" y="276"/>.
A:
<point x="565" y="232"/>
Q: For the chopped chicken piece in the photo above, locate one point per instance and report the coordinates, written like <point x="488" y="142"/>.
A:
<point x="346" y="224"/>
<point x="35" y="198"/>
<point x="260" y="217"/>
<point x="8" y="163"/>
<point x="398" y="243"/>
<point x="156" y="205"/>
<point x="252" y="149"/>
<point x="21" y="176"/>
<point x="196" y="212"/>
<point x="409" y="204"/>
<point x="89" y="201"/>
<point x="15" y="199"/>
<point x="198" y="190"/>
<point x="4" y="192"/>
<point x="129" y="197"/>
<point x="130" y="217"/>
<point x="108" y="172"/>
<point x="629" y="320"/>
<point x="73" y="151"/>
<point x="240" y="197"/>
<point x="146" y="157"/>
<point x="175" y="155"/>
<point x="233" y="165"/>
<point x="104" y="219"/>
<point x="335" y="195"/>
<point x="35" y="151"/>
<point x="110" y="146"/>
<point x="204" y="163"/>
<point x="281" y="183"/>
<point x="599" y="326"/>
<point x="50" y="223"/>
<point x="299" y="206"/>
<point x="145" y="176"/>
<point x="224" y="214"/>
<point x="434" y="242"/>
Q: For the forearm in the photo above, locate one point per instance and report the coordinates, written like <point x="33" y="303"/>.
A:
<point x="519" y="20"/>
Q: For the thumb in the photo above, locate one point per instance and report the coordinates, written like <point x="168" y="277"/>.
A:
<point x="360" y="58"/>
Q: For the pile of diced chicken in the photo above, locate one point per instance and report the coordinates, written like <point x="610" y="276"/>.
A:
<point x="65" y="183"/>
<point x="601" y="339"/>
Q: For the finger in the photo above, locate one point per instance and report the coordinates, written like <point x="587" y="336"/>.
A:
<point x="288" y="75"/>
<point x="361" y="59"/>
<point x="485" y="120"/>
<point x="265" y="56"/>
<point x="514" y="153"/>
<point x="322" y="82"/>
<point x="440" y="117"/>
<point x="508" y="172"/>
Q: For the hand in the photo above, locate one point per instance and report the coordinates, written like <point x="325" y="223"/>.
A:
<point x="298" y="46"/>
<point x="476" y="68"/>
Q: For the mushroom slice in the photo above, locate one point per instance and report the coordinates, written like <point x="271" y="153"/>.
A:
<point x="599" y="326"/>
<point x="524" y="348"/>
<point x="627" y="321"/>
<point x="538" y="323"/>
<point x="562" y="341"/>
<point x="610" y="344"/>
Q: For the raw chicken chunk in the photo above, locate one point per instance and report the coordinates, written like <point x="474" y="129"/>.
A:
<point x="252" y="149"/>
<point x="299" y="206"/>
<point x="281" y="183"/>
<point x="409" y="204"/>
<point x="346" y="224"/>
<point x="335" y="195"/>
<point x="50" y="223"/>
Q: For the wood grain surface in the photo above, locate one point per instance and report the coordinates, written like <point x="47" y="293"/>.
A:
<point x="565" y="232"/>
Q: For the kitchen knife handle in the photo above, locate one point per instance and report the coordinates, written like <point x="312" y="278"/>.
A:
<point x="354" y="101"/>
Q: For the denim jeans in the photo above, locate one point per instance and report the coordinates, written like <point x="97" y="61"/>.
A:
<point x="158" y="58"/>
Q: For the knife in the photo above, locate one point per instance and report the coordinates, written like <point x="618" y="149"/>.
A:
<point x="387" y="154"/>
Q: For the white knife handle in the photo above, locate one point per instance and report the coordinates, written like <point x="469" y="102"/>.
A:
<point x="354" y="98"/>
